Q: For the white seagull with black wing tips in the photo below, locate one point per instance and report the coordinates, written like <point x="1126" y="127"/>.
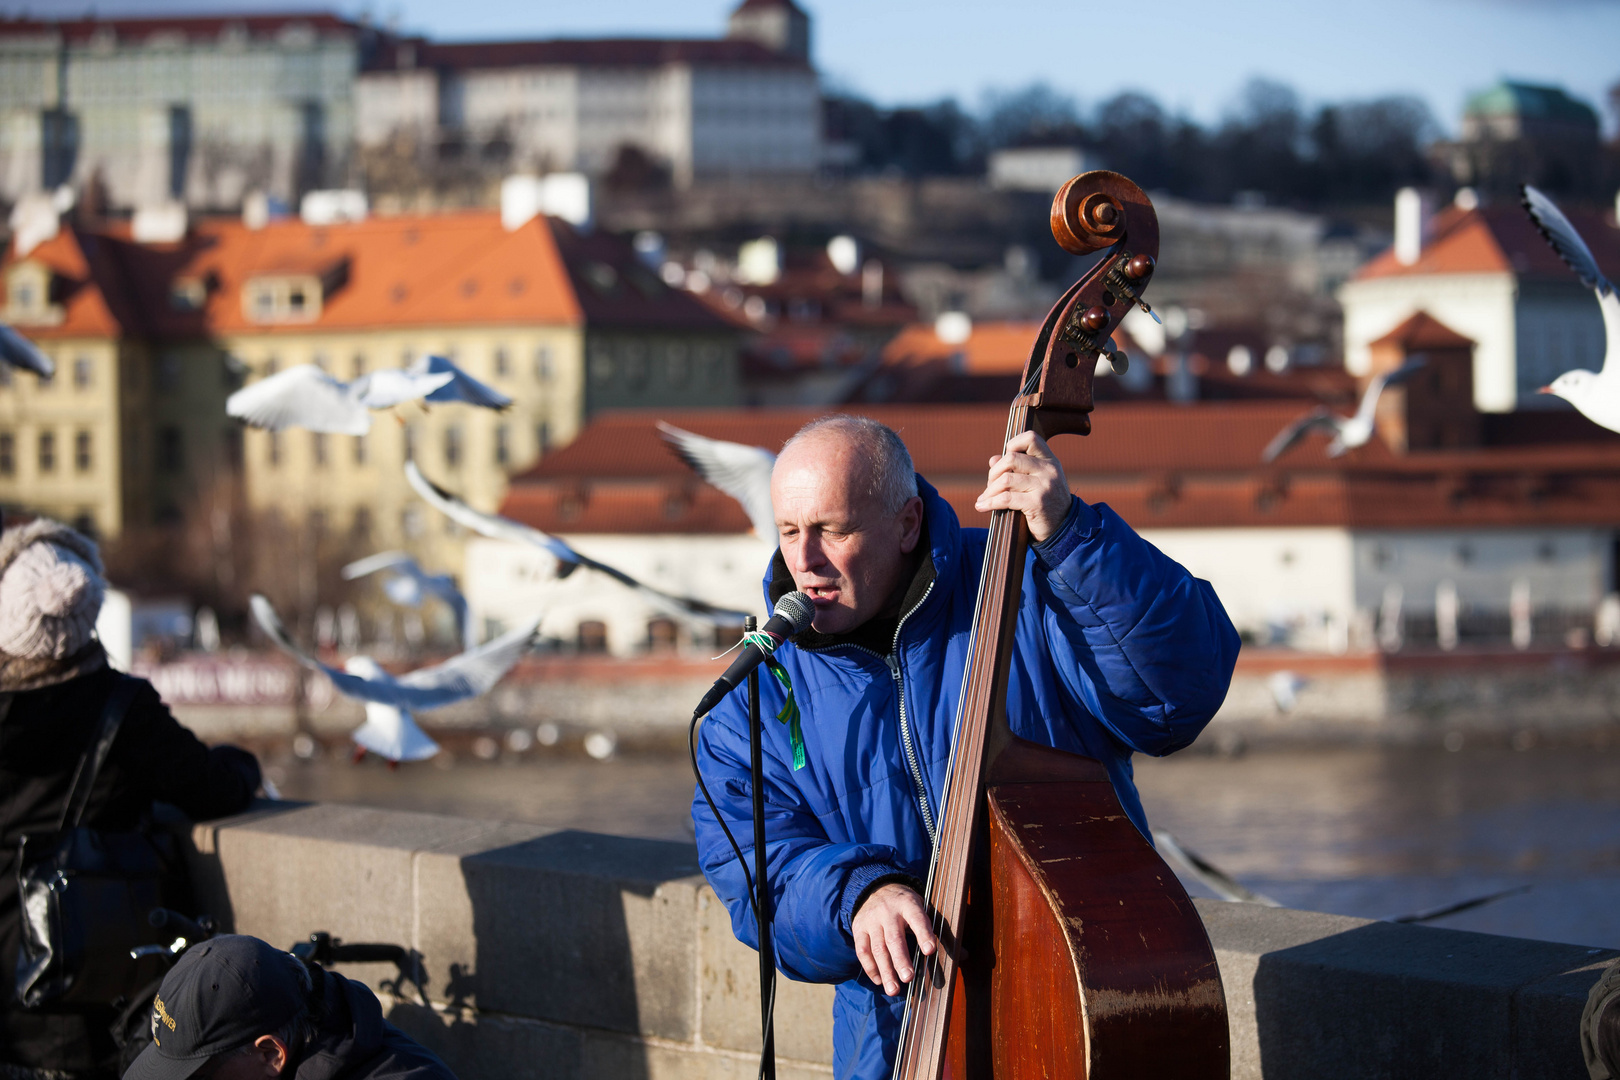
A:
<point x="19" y="352"/>
<point x="390" y="730"/>
<point x="407" y="585"/>
<point x="462" y="387"/>
<point x="1349" y="432"/>
<point x="1595" y="394"/>
<point x="739" y="470"/>
<point x="307" y="397"/>
<point x="499" y="528"/>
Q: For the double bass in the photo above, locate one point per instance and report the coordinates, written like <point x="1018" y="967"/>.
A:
<point x="1068" y="948"/>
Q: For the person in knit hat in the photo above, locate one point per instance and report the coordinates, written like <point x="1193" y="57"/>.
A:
<point x="54" y="683"/>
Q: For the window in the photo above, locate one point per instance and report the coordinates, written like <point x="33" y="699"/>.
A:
<point x="503" y="362"/>
<point x="323" y="361"/>
<point x="47" y="381"/>
<point x="82" y="367"/>
<point x="273" y="449"/>
<point x="167" y="376"/>
<point x="410" y="442"/>
<point x="271" y="366"/>
<point x="542" y="363"/>
<point x="359" y="449"/>
<point x="317" y="448"/>
<point x="5" y="374"/>
<point x="8" y="454"/>
<point x="661" y="635"/>
<point x="317" y="524"/>
<point x="171" y="449"/>
<point x="592" y="636"/>
<point x="359" y="365"/>
<point x="360" y="526"/>
<point x="410" y="522"/>
<point x="452" y="446"/>
<point x="47" y="452"/>
<point x="503" y="444"/>
<point x="81" y="451"/>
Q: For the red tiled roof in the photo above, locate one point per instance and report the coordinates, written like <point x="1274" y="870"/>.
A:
<point x="1424" y="331"/>
<point x="1159" y="465"/>
<point x="200" y="26"/>
<point x="90" y="290"/>
<point x="592" y="52"/>
<point x="412" y="270"/>
<point x="1499" y="239"/>
<point x="992" y="347"/>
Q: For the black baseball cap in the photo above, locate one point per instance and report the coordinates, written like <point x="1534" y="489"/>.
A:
<point x="222" y="994"/>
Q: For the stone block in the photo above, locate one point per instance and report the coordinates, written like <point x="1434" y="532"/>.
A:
<point x="569" y="927"/>
<point x="730" y="989"/>
<point x="1546" y="1035"/>
<point x="346" y="870"/>
<point x="488" y="1047"/>
<point x="1325" y="996"/>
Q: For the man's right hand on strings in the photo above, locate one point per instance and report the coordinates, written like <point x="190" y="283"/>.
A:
<point x="879" y="927"/>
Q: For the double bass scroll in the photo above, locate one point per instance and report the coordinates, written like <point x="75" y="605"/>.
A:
<point x="1082" y="955"/>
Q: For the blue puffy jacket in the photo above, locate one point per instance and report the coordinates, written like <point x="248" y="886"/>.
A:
<point x="1119" y="650"/>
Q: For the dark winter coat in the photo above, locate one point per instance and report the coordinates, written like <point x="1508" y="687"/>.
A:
<point x="43" y="734"/>
<point x="353" y="1042"/>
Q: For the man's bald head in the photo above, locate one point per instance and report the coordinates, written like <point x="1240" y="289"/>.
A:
<point x="847" y="514"/>
<point x="879" y="464"/>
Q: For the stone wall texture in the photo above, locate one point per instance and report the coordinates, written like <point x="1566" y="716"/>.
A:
<point x="573" y="954"/>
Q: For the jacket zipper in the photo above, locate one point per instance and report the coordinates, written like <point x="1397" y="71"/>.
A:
<point x="892" y="661"/>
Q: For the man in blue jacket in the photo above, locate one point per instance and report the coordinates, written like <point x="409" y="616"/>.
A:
<point x="1118" y="650"/>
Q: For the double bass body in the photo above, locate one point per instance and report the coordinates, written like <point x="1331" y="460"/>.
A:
<point x="1080" y="953"/>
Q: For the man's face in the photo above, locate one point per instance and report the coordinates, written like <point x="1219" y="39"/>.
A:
<point x="840" y="546"/>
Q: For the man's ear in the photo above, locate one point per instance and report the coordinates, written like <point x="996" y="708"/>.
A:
<point x="911" y="518"/>
<point x="272" y="1052"/>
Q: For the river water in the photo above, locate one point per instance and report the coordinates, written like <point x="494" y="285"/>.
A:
<point x="1374" y="832"/>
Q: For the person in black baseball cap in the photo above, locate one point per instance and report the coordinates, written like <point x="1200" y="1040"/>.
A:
<point x="236" y="1008"/>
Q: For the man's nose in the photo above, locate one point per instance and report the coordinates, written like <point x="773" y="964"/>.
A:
<point x="807" y="555"/>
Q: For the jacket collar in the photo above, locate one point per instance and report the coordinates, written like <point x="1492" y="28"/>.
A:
<point x="942" y="537"/>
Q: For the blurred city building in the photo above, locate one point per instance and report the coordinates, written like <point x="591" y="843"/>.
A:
<point x="1516" y="133"/>
<point x="200" y="110"/>
<point x="635" y="112"/>
<point x="1484" y="271"/>
<point x="1315" y="552"/>
<point x="150" y="339"/>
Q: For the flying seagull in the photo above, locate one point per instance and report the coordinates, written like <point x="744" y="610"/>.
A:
<point x="462" y="387"/>
<point x="307" y="397"/>
<point x="1349" y="432"/>
<point x="407" y="585"/>
<point x="1595" y="395"/>
<point x="498" y="528"/>
<point x="19" y="352"/>
<point x="390" y="730"/>
<point x="743" y="472"/>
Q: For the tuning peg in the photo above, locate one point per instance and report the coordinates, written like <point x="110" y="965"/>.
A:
<point x="1149" y="311"/>
<point x="1094" y="319"/>
<point x="1121" y="363"/>
<point x="1140" y="266"/>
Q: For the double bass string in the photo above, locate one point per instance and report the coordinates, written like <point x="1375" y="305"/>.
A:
<point x="958" y="818"/>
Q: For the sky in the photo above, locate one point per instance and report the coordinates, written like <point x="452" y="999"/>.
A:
<point x="1193" y="55"/>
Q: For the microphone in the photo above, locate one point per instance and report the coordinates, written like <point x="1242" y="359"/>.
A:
<point x="793" y="615"/>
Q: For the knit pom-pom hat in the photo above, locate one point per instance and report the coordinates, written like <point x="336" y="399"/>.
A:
<point x="51" y="590"/>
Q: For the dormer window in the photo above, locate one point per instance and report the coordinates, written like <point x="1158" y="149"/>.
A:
<point x="28" y="296"/>
<point x="188" y="294"/>
<point x="292" y="296"/>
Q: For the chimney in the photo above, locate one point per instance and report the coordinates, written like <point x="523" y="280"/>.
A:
<point x="1411" y="215"/>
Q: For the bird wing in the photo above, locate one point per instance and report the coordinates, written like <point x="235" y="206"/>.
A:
<point x="461" y="387"/>
<point x="393" y="386"/>
<point x="19" y="352"/>
<point x="1565" y="240"/>
<point x="1288" y="436"/>
<point x="1610" y="306"/>
<point x="491" y="525"/>
<point x="1375" y="388"/>
<point x="743" y="472"/>
<point x="302" y="396"/>
<point x="499" y="528"/>
<point x="381" y="689"/>
<point x="470" y="673"/>
<point x="383" y="560"/>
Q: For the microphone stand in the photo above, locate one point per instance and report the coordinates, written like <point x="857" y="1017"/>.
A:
<point x="762" y="898"/>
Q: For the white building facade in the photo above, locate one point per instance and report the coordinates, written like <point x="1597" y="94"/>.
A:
<point x="196" y="110"/>
<point x="700" y="108"/>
